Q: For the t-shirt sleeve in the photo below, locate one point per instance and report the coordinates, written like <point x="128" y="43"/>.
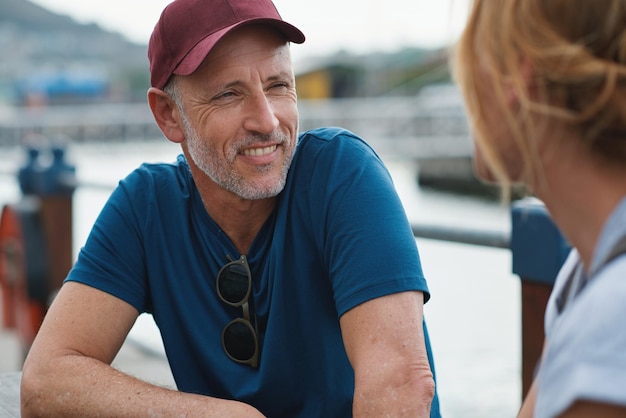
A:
<point x="367" y="241"/>
<point x="112" y="259"/>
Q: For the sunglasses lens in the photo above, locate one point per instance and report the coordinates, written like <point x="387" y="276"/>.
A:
<point x="239" y="340"/>
<point x="233" y="283"/>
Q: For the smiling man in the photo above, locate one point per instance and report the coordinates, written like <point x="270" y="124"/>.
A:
<point x="280" y="267"/>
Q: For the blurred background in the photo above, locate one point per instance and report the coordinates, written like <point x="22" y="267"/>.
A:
<point x="74" y="75"/>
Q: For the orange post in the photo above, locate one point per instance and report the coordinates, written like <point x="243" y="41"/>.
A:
<point x="10" y="252"/>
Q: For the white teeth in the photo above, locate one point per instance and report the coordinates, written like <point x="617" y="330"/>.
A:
<point x="257" y="152"/>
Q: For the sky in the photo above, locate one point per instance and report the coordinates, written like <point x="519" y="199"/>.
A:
<point x="357" y="26"/>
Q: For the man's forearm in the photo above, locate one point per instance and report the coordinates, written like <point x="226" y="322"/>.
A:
<point x="385" y="343"/>
<point x="78" y="386"/>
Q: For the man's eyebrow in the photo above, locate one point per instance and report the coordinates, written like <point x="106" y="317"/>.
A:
<point x="282" y="75"/>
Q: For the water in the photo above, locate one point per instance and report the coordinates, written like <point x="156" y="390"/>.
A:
<point x="474" y="313"/>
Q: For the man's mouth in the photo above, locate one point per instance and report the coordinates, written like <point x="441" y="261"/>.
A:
<point x="258" y="152"/>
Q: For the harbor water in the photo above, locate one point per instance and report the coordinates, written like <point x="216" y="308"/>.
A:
<point x="473" y="316"/>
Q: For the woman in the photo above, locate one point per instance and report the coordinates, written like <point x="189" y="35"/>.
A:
<point x="544" y="83"/>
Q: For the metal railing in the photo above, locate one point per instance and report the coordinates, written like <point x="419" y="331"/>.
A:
<point x="495" y="239"/>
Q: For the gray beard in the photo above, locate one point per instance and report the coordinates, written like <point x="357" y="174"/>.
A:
<point x="221" y="171"/>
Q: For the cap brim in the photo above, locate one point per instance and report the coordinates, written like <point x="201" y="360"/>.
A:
<point x="198" y="53"/>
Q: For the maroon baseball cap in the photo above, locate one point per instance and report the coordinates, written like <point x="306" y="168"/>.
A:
<point x="188" y="29"/>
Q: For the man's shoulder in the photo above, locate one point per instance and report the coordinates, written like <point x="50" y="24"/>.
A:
<point x="327" y="134"/>
<point x="152" y="178"/>
<point x="334" y="140"/>
<point x="160" y="171"/>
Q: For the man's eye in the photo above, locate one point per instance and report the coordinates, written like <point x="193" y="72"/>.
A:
<point x="279" y="86"/>
<point x="224" y="95"/>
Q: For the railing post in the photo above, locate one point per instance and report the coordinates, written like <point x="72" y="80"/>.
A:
<point x="55" y="189"/>
<point x="36" y="242"/>
<point x="538" y="250"/>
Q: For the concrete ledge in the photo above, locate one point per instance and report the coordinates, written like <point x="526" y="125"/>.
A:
<point x="10" y="395"/>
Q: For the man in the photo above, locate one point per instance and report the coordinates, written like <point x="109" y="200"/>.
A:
<point x="281" y="270"/>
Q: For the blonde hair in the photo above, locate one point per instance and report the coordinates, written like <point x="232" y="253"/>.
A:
<point x="577" y="52"/>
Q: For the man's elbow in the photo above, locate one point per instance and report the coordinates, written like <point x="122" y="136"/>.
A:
<point x="38" y="378"/>
<point x="422" y="383"/>
<point x="402" y="392"/>
<point x="426" y="388"/>
<point x="31" y="387"/>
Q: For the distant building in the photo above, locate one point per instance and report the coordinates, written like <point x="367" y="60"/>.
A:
<point x="329" y="80"/>
<point x="61" y="87"/>
<point x="401" y="73"/>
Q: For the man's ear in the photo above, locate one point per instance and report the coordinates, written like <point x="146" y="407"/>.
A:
<point x="166" y="115"/>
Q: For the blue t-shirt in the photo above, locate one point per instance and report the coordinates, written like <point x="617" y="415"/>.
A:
<point x="338" y="237"/>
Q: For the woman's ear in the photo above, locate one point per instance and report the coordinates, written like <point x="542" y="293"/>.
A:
<point x="166" y="115"/>
<point x="514" y="94"/>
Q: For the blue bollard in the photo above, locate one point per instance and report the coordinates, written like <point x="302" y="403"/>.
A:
<point x="28" y="174"/>
<point x="538" y="247"/>
<point x="59" y="178"/>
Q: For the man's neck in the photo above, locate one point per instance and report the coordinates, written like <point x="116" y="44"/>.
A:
<point x="240" y="219"/>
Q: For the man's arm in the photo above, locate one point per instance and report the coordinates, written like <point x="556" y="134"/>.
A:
<point x="384" y="339"/>
<point x="68" y="373"/>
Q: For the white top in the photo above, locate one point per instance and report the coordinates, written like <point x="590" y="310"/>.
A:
<point x="586" y="329"/>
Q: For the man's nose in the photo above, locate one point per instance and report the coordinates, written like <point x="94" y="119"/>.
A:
<point x="260" y="115"/>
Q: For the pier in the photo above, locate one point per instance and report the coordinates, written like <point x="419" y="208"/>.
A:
<point x="428" y="126"/>
<point x="398" y="128"/>
<point x="535" y="245"/>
